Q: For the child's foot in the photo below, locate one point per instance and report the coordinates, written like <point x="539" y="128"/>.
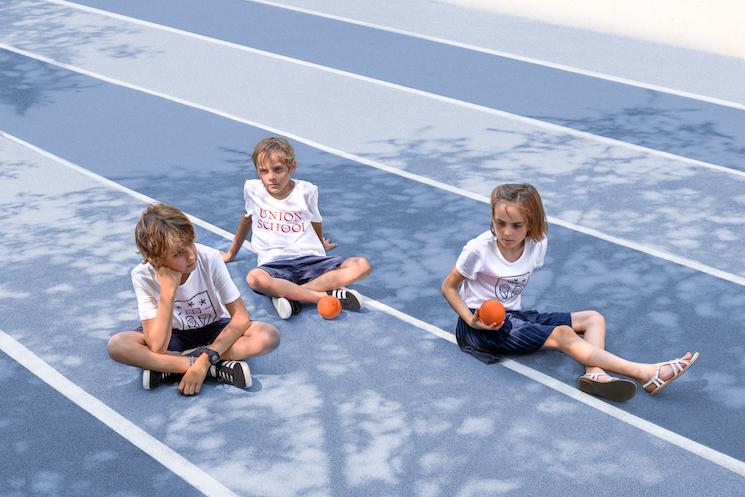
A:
<point x="351" y="300"/>
<point x="669" y="371"/>
<point x="234" y="373"/>
<point x="151" y="379"/>
<point x="285" y="307"/>
<point x="609" y="387"/>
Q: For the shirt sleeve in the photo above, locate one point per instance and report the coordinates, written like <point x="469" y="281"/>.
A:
<point x="224" y="285"/>
<point x="147" y="293"/>
<point x="541" y="247"/>
<point x="247" y="200"/>
<point x="469" y="262"/>
<point x="312" y="198"/>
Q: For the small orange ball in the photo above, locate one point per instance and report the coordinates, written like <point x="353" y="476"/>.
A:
<point x="329" y="307"/>
<point x="491" y="312"/>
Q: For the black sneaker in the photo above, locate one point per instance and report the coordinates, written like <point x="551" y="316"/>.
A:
<point x="151" y="379"/>
<point x="351" y="300"/>
<point x="285" y="307"/>
<point x="232" y="372"/>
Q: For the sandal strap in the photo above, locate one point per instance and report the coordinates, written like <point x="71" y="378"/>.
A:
<point x="677" y="365"/>
<point x="655" y="380"/>
<point x="595" y="376"/>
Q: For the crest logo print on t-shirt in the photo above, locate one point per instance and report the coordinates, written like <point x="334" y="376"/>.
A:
<point x="196" y="312"/>
<point x="508" y="288"/>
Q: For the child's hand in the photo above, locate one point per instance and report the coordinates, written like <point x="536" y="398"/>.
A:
<point x="480" y="325"/>
<point x="227" y="256"/>
<point x="328" y="244"/>
<point x="168" y="278"/>
<point x="192" y="381"/>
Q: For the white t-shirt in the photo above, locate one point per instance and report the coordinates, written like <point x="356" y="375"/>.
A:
<point x="199" y="301"/>
<point x="281" y="229"/>
<point x="490" y="276"/>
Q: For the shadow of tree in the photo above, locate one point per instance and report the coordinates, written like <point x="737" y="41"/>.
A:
<point x="26" y="83"/>
<point x="62" y="32"/>
<point x="685" y="127"/>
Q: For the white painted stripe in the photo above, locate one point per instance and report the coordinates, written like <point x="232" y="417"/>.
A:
<point x="716" y="457"/>
<point x="114" y="185"/>
<point x="172" y="460"/>
<point x="537" y="123"/>
<point x="707" y="453"/>
<point x="740" y="280"/>
<point x="508" y="55"/>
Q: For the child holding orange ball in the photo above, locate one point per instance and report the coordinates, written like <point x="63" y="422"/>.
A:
<point x="497" y="265"/>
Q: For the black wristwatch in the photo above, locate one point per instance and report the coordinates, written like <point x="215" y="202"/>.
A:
<point x="212" y="355"/>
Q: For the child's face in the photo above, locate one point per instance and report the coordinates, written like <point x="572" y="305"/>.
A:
<point x="275" y="174"/>
<point x="181" y="257"/>
<point x="509" y="225"/>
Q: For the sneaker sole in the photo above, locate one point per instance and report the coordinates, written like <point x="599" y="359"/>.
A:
<point x="246" y="374"/>
<point x="283" y="307"/>
<point x="146" y="379"/>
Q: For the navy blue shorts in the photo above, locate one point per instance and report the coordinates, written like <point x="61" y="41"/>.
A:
<point x="523" y="332"/>
<point x="199" y="337"/>
<point x="302" y="269"/>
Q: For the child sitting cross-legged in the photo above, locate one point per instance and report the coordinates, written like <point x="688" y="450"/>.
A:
<point x="283" y="216"/>
<point x="194" y="322"/>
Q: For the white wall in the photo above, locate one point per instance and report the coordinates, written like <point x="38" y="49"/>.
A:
<point x="716" y="26"/>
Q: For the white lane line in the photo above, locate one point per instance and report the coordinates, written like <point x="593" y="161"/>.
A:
<point x="687" y="444"/>
<point x="683" y="261"/>
<point x="508" y="55"/>
<point x="114" y="185"/>
<point x="537" y="123"/>
<point x="150" y="445"/>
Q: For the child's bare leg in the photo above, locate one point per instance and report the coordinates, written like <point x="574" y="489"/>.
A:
<point x="129" y="347"/>
<point x="263" y="282"/>
<point x="591" y="325"/>
<point x="351" y="270"/>
<point x="260" y="338"/>
<point x="565" y="339"/>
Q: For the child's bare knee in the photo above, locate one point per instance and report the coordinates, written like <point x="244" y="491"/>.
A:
<point x="365" y="267"/>
<point x="563" y="333"/>
<point x="257" y="279"/>
<point x="361" y="265"/>
<point x="267" y="334"/>
<point x="116" y="346"/>
<point x="270" y="337"/>
<point x="596" y="319"/>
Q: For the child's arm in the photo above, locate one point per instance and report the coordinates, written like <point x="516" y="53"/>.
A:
<point x="244" y="226"/>
<point x="327" y="244"/>
<point x="239" y="321"/>
<point x="449" y="290"/>
<point x="158" y="330"/>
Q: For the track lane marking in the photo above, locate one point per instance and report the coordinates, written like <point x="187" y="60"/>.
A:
<point x="661" y="254"/>
<point x="720" y="459"/>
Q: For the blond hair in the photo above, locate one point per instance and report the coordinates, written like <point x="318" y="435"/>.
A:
<point x="160" y="228"/>
<point x="529" y="204"/>
<point x="271" y="145"/>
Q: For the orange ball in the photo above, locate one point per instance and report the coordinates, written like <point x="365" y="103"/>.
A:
<point x="329" y="307"/>
<point x="491" y="312"/>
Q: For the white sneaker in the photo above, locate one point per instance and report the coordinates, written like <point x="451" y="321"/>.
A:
<point x="285" y="307"/>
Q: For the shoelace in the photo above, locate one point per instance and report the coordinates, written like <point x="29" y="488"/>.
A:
<point x="224" y="372"/>
<point x="339" y="294"/>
